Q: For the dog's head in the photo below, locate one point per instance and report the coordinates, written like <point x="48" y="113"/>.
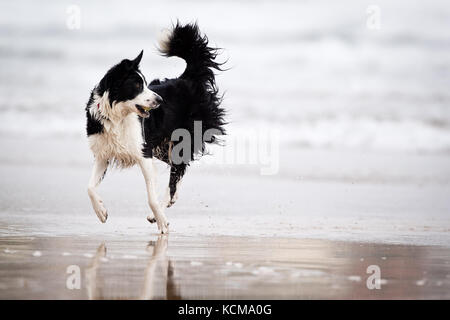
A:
<point x="125" y="89"/>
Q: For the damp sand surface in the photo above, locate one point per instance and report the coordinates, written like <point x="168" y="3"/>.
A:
<point x="220" y="267"/>
<point x="310" y="231"/>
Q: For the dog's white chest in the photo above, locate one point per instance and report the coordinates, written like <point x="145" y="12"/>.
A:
<point x="119" y="142"/>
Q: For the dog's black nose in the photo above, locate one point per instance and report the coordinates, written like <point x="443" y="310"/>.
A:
<point x="159" y="100"/>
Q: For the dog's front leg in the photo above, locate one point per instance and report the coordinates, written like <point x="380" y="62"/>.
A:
<point x="98" y="172"/>
<point x="148" y="170"/>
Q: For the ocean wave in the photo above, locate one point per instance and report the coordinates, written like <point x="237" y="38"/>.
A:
<point x="344" y="132"/>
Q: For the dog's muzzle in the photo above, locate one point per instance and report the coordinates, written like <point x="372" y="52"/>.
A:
<point x="154" y="104"/>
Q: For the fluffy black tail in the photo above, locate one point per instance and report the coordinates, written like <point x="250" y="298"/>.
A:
<point x="186" y="42"/>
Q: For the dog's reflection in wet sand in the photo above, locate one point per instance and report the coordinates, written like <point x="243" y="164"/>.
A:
<point x="158" y="249"/>
<point x="93" y="291"/>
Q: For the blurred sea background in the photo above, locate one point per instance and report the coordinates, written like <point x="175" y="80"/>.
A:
<point x="312" y="69"/>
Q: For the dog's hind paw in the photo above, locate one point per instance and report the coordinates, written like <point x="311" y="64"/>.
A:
<point x="170" y="203"/>
<point x="172" y="200"/>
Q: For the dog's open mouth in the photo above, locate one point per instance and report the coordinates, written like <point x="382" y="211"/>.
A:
<point x="144" y="112"/>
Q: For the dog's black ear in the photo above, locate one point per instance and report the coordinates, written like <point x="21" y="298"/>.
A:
<point x="138" y="59"/>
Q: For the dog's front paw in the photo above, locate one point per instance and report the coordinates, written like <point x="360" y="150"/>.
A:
<point x="101" y="212"/>
<point x="163" y="225"/>
<point x="151" y="218"/>
<point x="164" y="229"/>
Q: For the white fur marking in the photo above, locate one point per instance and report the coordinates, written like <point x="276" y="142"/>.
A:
<point x="148" y="171"/>
<point x="98" y="171"/>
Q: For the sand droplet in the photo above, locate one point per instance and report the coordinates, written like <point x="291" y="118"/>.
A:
<point x="196" y="263"/>
<point x="128" y="256"/>
<point x="37" y="254"/>
<point x="66" y="254"/>
<point x="354" y="278"/>
<point x="263" y="270"/>
<point x="88" y="255"/>
<point x="421" y="282"/>
<point x="306" y="273"/>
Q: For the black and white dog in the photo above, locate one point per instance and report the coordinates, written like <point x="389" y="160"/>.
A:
<point x="130" y="122"/>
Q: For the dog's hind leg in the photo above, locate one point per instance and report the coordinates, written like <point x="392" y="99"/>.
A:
<point x="98" y="172"/>
<point x="148" y="171"/>
<point x="177" y="172"/>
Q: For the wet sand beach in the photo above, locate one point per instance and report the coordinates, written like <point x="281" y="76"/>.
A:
<point x="183" y="267"/>
<point x="247" y="237"/>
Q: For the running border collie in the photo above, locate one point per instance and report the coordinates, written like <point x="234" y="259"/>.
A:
<point x="130" y="122"/>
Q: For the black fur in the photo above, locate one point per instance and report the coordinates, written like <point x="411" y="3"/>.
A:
<point x="191" y="97"/>
<point x="122" y="83"/>
<point x="93" y="126"/>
